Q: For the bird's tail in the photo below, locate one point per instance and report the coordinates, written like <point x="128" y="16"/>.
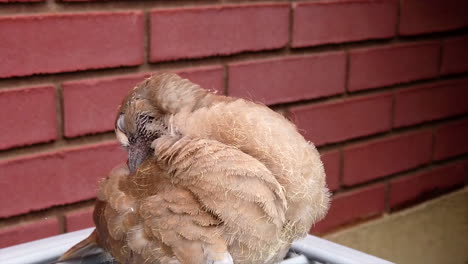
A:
<point x="87" y="250"/>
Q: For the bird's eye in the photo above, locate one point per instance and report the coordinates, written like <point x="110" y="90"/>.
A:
<point x="120" y="123"/>
<point x="119" y="132"/>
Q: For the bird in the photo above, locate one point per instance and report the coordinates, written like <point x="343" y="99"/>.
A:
<point x="210" y="179"/>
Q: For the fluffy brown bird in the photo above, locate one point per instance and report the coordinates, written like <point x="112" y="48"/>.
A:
<point x="210" y="179"/>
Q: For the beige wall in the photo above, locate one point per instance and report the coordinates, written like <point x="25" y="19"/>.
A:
<point x="433" y="232"/>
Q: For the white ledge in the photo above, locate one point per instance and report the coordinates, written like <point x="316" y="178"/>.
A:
<point x="310" y="249"/>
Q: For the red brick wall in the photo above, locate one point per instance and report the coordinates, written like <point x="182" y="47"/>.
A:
<point x="380" y="86"/>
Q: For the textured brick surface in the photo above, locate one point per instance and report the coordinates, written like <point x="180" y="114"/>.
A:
<point x="288" y="79"/>
<point x="43" y="180"/>
<point x="429" y="102"/>
<point x="451" y="140"/>
<point x="28" y="231"/>
<point x="387" y="65"/>
<point x="383" y="157"/>
<point x="324" y="22"/>
<point x="203" y="31"/>
<point x="27" y="116"/>
<point x="427" y="16"/>
<point x="353" y="206"/>
<point x="71" y="42"/>
<point x="455" y="56"/>
<point x="379" y="85"/>
<point x="345" y="119"/>
<point x="331" y="162"/>
<point x="90" y="105"/>
<point x="80" y="219"/>
<point x="404" y="191"/>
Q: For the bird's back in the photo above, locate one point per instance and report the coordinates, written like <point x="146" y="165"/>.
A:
<point x="274" y="141"/>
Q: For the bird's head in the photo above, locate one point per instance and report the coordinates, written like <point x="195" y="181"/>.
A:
<point x="139" y="122"/>
<point x="136" y="129"/>
<point x="137" y="125"/>
<point x="144" y="113"/>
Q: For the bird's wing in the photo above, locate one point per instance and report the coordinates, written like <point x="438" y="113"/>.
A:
<point x="107" y="237"/>
<point x="194" y="199"/>
<point x="229" y="184"/>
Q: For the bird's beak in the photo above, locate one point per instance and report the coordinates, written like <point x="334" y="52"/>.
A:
<point x="136" y="155"/>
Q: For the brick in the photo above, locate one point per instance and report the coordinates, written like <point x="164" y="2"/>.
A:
<point x="344" y="119"/>
<point x="325" y="22"/>
<point x="332" y="163"/>
<point x="418" y="17"/>
<point x="455" y="56"/>
<point x="28" y="231"/>
<point x="81" y="219"/>
<point x="351" y="207"/>
<point x="379" y="158"/>
<point x="430" y="102"/>
<point x="413" y="188"/>
<point x="28" y="116"/>
<point x="451" y="140"/>
<point x="196" y="32"/>
<point x="43" y="180"/>
<point x="392" y="64"/>
<point x="90" y="105"/>
<point x="70" y="42"/>
<point x="288" y="79"/>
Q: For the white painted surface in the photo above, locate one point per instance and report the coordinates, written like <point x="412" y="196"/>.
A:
<point x="311" y="248"/>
